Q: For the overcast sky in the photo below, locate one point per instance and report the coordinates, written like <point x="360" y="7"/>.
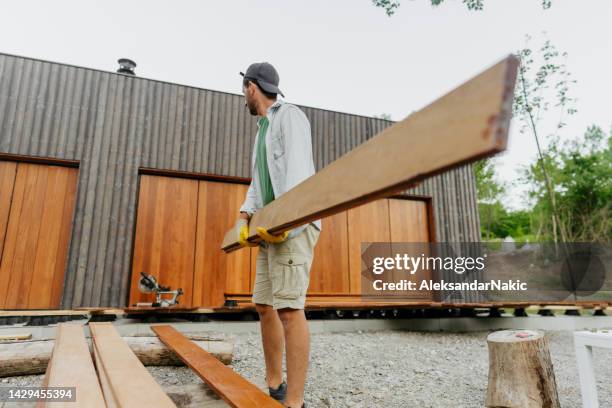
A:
<point x="343" y="55"/>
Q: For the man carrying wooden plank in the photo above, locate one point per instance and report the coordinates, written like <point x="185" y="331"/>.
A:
<point x="282" y="158"/>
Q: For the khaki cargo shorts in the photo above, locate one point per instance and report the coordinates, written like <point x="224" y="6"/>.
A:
<point x="283" y="270"/>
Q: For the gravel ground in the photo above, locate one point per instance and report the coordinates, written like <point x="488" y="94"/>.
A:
<point x="415" y="369"/>
<point x="396" y="369"/>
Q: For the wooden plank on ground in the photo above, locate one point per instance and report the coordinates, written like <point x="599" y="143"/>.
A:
<point x="43" y="312"/>
<point x="125" y="381"/>
<point x="71" y="366"/>
<point x="467" y="124"/>
<point x="234" y="389"/>
<point x="12" y="337"/>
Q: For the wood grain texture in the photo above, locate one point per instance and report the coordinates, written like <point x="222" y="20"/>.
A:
<point x="368" y="223"/>
<point x="165" y="235"/>
<point x="35" y="249"/>
<point x="218" y="207"/>
<point x="466" y="124"/>
<point x="521" y="372"/>
<point x="8" y="170"/>
<point x="71" y="366"/>
<point x="408" y="220"/>
<point x="409" y="223"/>
<point x="125" y="381"/>
<point x="330" y="266"/>
<point x="234" y="389"/>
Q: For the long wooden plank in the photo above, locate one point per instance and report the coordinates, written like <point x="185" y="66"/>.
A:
<point x="234" y="389"/>
<point x="468" y="123"/>
<point x="125" y="381"/>
<point x="71" y="366"/>
<point x="109" y="396"/>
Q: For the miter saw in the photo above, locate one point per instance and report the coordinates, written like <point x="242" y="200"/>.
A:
<point x="148" y="284"/>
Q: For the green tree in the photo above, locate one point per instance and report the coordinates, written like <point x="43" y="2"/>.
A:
<point x="543" y="85"/>
<point x="489" y="191"/>
<point x="581" y="170"/>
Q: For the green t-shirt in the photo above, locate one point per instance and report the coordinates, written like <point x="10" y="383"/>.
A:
<point x="265" y="183"/>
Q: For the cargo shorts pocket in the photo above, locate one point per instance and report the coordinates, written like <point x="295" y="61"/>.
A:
<point x="289" y="276"/>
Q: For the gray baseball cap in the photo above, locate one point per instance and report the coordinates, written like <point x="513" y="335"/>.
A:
<point x="265" y="75"/>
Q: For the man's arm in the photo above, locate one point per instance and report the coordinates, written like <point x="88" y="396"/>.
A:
<point x="295" y="129"/>
<point x="248" y="206"/>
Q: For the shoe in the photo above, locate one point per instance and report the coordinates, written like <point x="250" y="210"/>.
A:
<point x="279" y="393"/>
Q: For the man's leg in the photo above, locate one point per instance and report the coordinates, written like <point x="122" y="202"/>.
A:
<point x="297" y="339"/>
<point x="290" y="263"/>
<point x="272" y="338"/>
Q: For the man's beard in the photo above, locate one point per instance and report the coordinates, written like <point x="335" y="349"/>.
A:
<point x="252" y="108"/>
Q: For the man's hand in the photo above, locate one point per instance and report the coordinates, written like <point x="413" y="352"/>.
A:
<point x="273" y="239"/>
<point x="242" y="230"/>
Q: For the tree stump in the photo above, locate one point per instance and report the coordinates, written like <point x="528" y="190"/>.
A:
<point x="520" y="371"/>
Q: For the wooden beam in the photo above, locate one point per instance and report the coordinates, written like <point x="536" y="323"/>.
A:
<point x="467" y="124"/>
<point x="125" y="381"/>
<point x="11" y="337"/>
<point x="25" y="357"/>
<point x="71" y="366"/>
<point x="234" y="389"/>
<point x="44" y="312"/>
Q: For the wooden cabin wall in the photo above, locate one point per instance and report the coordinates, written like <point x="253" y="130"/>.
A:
<point x="115" y="125"/>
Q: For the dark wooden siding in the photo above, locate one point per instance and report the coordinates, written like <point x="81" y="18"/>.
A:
<point x="113" y="124"/>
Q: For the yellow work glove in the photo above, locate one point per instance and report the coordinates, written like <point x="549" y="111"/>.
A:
<point x="242" y="228"/>
<point x="273" y="239"/>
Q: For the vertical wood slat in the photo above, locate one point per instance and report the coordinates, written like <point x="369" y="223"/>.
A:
<point x="218" y="205"/>
<point x="330" y="267"/>
<point x="8" y="171"/>
<point x="368" y="223"/>
<point x="409" y="223"/>
<point x="33" y="261"/>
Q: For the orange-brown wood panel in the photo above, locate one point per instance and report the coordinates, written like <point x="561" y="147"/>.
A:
<point x="8" y="170"/>
<point x="368" y="223"/>
<point x="330" y="266"/>
<point x="164" y="245"/>
<point x="215" y="271"/>
<point x="409" y="222"/>
<point x="36" y="243"/>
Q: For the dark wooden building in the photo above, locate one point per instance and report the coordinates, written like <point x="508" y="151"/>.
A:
<point x="104" y="175"/>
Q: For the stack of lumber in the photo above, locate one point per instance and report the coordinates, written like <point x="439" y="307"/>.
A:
<point x="119" y="379"/>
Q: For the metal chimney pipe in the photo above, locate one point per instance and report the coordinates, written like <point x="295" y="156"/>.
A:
<point x="126" y="66"/>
